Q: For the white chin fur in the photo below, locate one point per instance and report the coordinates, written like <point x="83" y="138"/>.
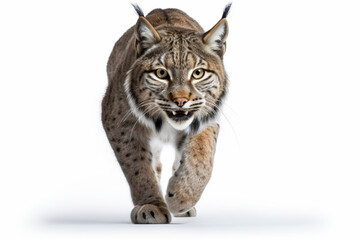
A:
<point x="181" y="125"/>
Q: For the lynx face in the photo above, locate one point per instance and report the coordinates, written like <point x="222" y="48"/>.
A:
<point x="178" y="75"/>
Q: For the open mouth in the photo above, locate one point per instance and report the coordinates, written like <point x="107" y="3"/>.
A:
<point x="179" y="115"/>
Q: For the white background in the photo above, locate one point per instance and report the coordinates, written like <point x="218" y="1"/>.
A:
<point x="287" y="161"/>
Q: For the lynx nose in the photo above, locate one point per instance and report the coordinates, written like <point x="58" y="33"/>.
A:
<point x="180" y="101"/>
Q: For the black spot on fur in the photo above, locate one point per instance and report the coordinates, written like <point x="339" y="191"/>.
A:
<point x="152" y="214"/>
<point x="188" y="213"/>
<point x="128" y="155"/>
<point x="158" y="124"/>
<point x="194" y="126"/>
<point x="118" y="149"/>
<point x="122" y="133"/>
<point x="170" y="194"/>
<point x="136" y="173"/>
<point x="143" y="149"/>
<point x="144" y="215"/>
<point x="142" y="158"/>
<point x="167" y="218"/>
<point x="135" y="159"/>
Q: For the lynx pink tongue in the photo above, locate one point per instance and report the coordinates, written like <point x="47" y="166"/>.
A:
<point x="179" y="113"/>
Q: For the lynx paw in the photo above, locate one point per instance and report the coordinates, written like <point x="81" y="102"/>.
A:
<point x="190" y="213"/>
<point x="149" y="213"/>
<point x="179" y="199"/>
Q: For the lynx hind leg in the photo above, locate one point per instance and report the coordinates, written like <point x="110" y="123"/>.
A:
<point x="189" y="180"/>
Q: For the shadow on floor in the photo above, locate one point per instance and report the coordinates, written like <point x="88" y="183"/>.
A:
<point x="234" y="220"/>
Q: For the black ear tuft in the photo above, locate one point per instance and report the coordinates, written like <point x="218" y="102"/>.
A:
<point x="138" y="9"/>
<point x="226" y="10"/>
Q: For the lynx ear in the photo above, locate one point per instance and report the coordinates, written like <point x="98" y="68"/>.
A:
<point x="215" y="38"/>
<point x="146" y="35"/>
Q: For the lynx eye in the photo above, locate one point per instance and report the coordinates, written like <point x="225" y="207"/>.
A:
<point x="198" y="73"/>
<point x="161" y="73"/>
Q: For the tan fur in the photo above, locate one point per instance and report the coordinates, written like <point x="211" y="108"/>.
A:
<point x="139" y="108"/>
<point x="194" y="172"/>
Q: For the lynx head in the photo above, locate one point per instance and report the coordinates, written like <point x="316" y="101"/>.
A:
<point x="178" y="75"/>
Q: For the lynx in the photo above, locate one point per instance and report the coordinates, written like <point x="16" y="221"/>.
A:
<point x="166" y="85"/>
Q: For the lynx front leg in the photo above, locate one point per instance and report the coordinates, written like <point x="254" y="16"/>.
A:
<point x="136" y="160"/>
<point x="194" y="171"/>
